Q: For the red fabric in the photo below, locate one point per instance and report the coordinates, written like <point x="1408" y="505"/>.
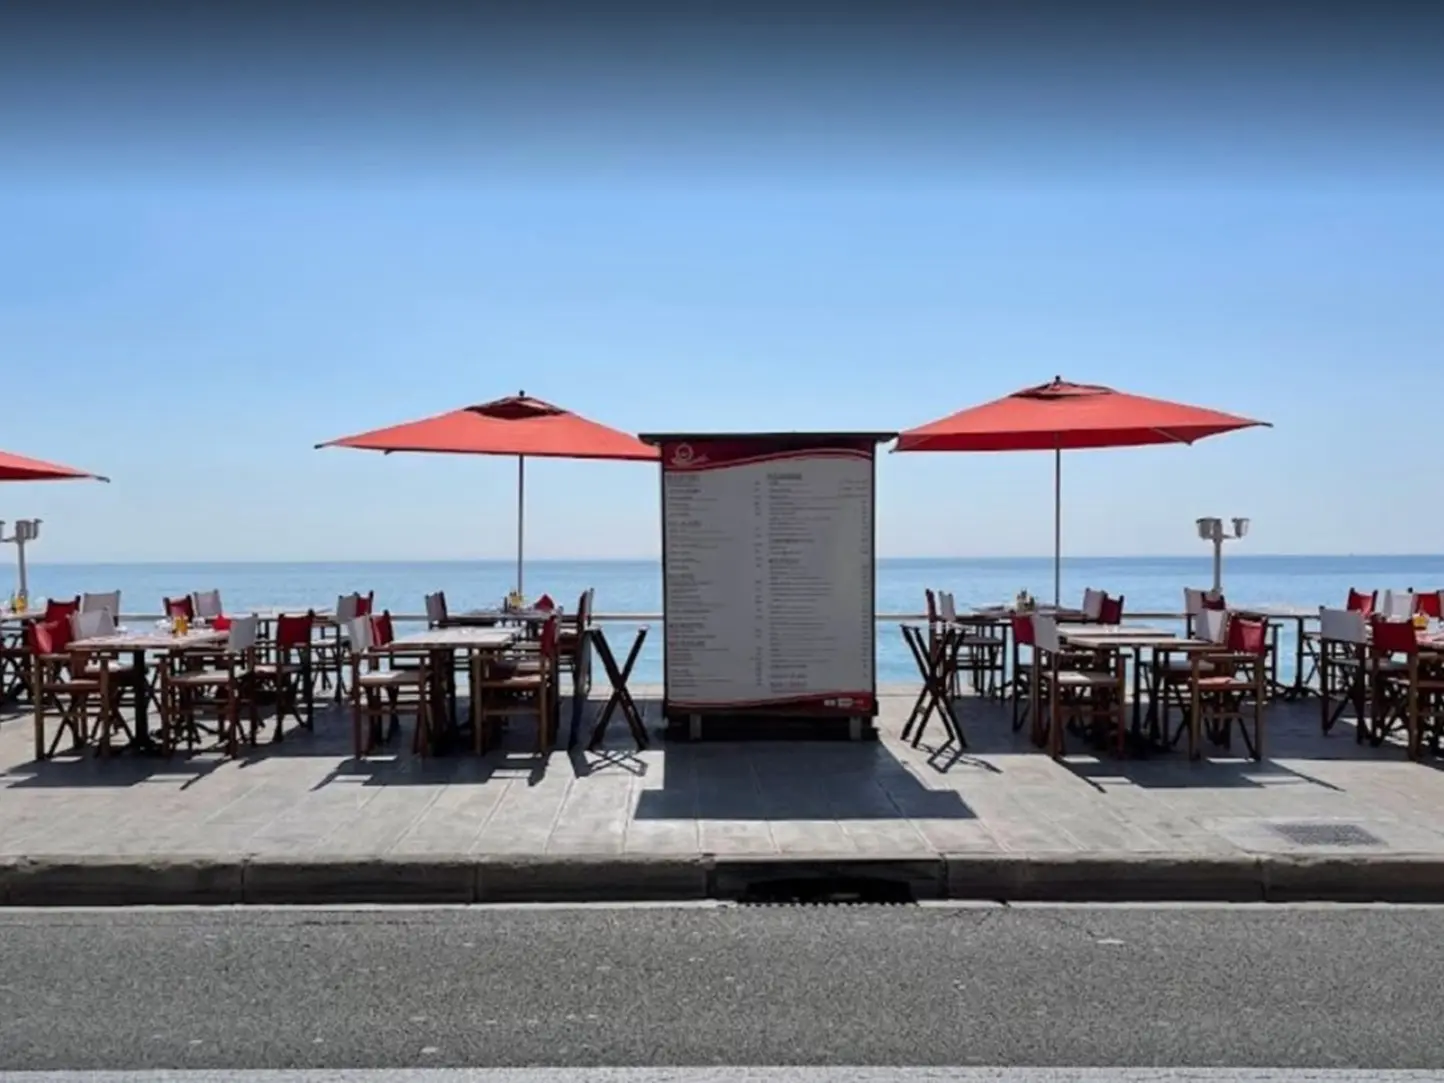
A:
<point x="1394" y="636"/>
<point x="549" y="638"/>
<point x="49" y="636"/>
<point x="383" y="632"/>
<point x="1363" y="603"/>
<point x="1246" y="636"/>
<point x="294" y="631"/>
<point x="1211" y="602"/>
<point x="19" y="468"/>
<point x="364" y="603"/>
<point x="1111" y="612"/>
<point x="61" y="610"/>
<point x="545" y="604"/>
<point x="1064" y="416"/>
<point x="221" y="623"/>
<point x="1428" y="604"/>
<point x="517" y="425"/>
<point x="1023" y="629"/>
<point x="180" y="607"/>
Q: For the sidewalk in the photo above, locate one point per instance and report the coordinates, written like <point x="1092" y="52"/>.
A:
<point x="301" y="822"/>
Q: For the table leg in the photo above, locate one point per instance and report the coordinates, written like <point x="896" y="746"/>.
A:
<point x="141" y="689"/>
<point x="621" y="696"/>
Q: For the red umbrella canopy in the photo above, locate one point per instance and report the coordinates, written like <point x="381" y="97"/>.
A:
<point x="1066" y="416"/>
<point x="517" y="425"/>
<point x="19" y="468"/>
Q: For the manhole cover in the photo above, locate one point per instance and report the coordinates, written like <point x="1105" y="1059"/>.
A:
<point x="1327" y="835"/>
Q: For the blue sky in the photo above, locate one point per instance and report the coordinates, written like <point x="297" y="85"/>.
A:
<point x="191" y="317"/>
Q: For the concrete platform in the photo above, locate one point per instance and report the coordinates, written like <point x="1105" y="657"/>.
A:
<point x="302" y="821"/>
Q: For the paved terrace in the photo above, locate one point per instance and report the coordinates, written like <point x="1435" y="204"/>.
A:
<point x="306" y="798"/>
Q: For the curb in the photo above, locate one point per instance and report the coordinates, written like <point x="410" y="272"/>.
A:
<point x="198" y="880"/>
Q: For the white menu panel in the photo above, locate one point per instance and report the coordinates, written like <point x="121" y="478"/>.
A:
<point x="769" y="575"/>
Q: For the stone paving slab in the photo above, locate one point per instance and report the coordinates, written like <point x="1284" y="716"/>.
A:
<point x="306" y="798"/>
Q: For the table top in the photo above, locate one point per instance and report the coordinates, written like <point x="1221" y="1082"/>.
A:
<point x="150" y="640"/>
<point x="1113" y="631"/>
<point x="1156" y="642"/>
<point x="1279" y="612"/>
<point x="480" y="639"/>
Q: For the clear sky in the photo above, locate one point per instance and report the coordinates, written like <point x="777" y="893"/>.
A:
<point x="203" y="275"/>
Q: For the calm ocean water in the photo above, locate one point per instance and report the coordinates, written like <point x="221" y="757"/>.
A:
<point x="636" y="587"/>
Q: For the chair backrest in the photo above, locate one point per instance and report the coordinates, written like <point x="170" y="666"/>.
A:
<point x="1394" y="636"/>
<point x="364" y="603"/>
<point x="932" y="605"/>
<point x="88" y="625"/>
<point x="549" y="638"/>
<point x="1248" y="635"/>
<point x="359" y="631"/>
<point x="48" y="636"/>
<point x="1398" y="604"/>
<point x="92" y="603"/>
<point x="293" y="630"/>
<point x="207" y="603"/>
<point x="241" y="636"/>
<point x="1212" y="626"/>
<point x="1111" y="611"/>
<point x="1363" y="603"/>
<point x="1430" y="603"/>
<point x="1192" y="601"/>
<point x="1214" y="601"/>
<point x="949" y="611"/>
<point x="1343" y="625"/>
<point x="1045" y="633"/>
<point x="1022" y="629"/>
<point x="347" y="609"/>
<point x="61" y="610"/>
<point x="436" y="608"/>
<point x="1092" y="604"/>
<point x="179" y="607"/>
<point x="383" y="632"/>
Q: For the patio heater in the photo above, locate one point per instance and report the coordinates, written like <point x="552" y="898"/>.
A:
<point x="26" y="530"/>
<point x="1212" y="530"/>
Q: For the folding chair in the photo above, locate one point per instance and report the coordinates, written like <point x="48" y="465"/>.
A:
<point x="1343" y="667"/>
<point x="936" y="658"/>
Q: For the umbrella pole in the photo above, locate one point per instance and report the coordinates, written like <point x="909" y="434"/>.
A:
<point x="520" y="515"/>
<point x="1057" y="526"/>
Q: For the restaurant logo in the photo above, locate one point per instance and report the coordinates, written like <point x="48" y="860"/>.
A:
<point x="684" y="455"/>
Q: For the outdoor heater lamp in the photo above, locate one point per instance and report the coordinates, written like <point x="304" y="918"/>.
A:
<point x="1211" y="529"/>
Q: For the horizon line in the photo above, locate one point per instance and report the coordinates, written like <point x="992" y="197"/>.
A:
<point x="656" y="559"/>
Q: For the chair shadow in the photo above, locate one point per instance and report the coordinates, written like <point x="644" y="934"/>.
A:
<point x="86" y="770"/>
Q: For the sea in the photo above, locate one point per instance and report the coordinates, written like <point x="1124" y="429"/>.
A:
<point x="1147" y="584"/>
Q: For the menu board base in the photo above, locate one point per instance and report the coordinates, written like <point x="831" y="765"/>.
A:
<point x="767" y="726"/>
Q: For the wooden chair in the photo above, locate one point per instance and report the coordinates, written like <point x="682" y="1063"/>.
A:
<point x="75" y="683"/>
<point x="1408" y="691"/>
<point x="1359" y="602"/>
<point x="514" y="691"/>
<point x="1195" y="602"/>
<point x="1025" y="671"/>
<point x="179" y="607"/>
<point x="1343" y="664"/>
<point x="982" y="650"/>
<point x="1093" y="604"/>
<point x="1174" y="669"/>
<point x="382" y="690"/>
<point x="1091" y="696"/>
<point x="289" y="670"/>
<point x="1111" y="610"/>
<point x="1231" y="686"/>
<point x="94" y="603"/>
<point x="220" y="677"/>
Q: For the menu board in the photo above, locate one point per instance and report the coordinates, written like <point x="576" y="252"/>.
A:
<point x="767" y="556"/>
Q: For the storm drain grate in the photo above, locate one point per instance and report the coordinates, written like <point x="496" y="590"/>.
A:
<point x="827" y="891"/>
<point x="1327" y="835"/>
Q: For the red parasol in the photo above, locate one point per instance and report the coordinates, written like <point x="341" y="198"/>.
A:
<point x="1062" y="416"/>
<point x="517" y="425"/>
<point x="19" y="468"/>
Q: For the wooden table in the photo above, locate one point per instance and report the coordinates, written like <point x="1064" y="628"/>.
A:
<point x="441" y="644"/>
<point x="1121" y="637"/>
<point x="138" y="644"/>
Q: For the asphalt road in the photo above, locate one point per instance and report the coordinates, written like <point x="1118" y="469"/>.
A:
<point x="248" y="988"/>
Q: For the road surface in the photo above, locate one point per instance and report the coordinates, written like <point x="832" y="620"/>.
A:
<point x="705" y="986"/>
